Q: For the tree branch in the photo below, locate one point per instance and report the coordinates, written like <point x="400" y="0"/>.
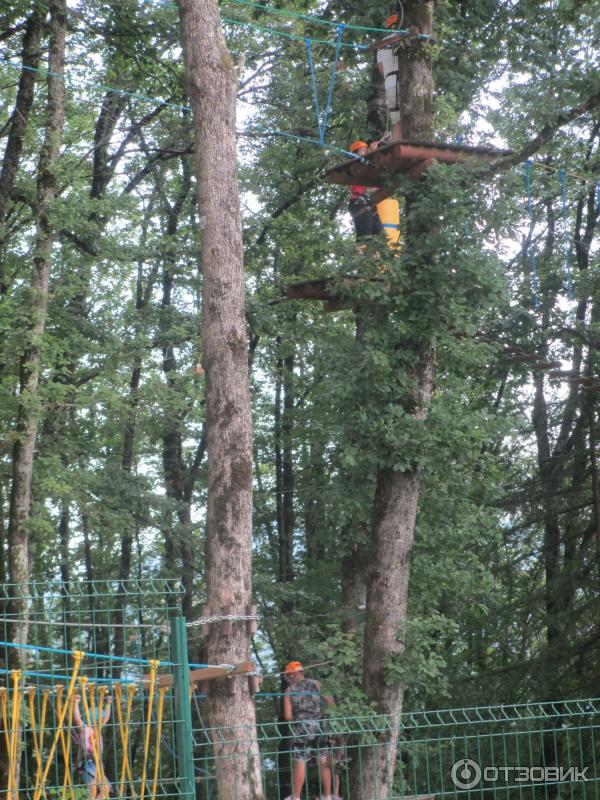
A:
<point x="546" y="134"/>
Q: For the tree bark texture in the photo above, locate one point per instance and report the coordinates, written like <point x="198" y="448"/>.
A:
<point x="397" y="493"/>
<point x="28" y="412"/>
<point x="284" y="467"/>
<point x="179" y="478"/>
<point x="28" y="400"/>
<point x="212" y="88"/>
<point x="18" y="124"/>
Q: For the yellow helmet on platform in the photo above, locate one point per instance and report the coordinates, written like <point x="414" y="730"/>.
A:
<point x="357" y="145"/>
<point x="293" y="666"/>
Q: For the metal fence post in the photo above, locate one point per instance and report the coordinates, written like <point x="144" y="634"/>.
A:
<point x="183" y="710"/>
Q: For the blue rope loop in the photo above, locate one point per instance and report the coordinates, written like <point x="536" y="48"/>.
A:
<point x="566" y="244"/>
<point x="340" y="33"/>
<point x="322" y="117"/>
<point x="532" y="254"/>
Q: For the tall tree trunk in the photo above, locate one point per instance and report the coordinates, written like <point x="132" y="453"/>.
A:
<point x="397" y="493"/>
<point x="18" y="124"/>
<point x="179" y="479"/>
<point x="28" y="400"/>
<point x="212" y="87"/>
<point x="284" y="468"/>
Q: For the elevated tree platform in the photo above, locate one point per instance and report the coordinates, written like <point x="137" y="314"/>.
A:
<point x="327" y="290"/>
<point x="411" y="158"/>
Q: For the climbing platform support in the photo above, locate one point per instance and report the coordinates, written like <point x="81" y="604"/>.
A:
<point x="410" y="158"/>
<point x="332" y="291"/>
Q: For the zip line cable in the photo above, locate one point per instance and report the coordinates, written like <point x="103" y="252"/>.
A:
<point x="294" y="36"/>
<point x="268" y="9"/>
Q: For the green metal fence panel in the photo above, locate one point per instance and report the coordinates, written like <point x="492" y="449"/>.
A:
<point x="156" y="743"/>
<point x="122" y="629"/>
<point x="532" y="751"/>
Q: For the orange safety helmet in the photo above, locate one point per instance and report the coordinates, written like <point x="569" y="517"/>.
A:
<point x="392" y="20"/>
<point x="353" y="148"/>
<point x="293" y="666"/>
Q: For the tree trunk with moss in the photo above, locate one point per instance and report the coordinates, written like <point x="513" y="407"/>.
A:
<point x="212" y="86"/>
<point x="28" y="412"/>
<point x="397" y="492"/>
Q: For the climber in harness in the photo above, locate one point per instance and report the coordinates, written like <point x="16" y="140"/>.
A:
<point x="388" y="66"/>
<point x="361" y="207"/>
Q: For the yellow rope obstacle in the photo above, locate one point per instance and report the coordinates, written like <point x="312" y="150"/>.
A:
<point x="38" y="731"/>
<point x="124" y="734"/>
<point x="66" y="741"/>
<point x="10" y="723"/>
<point x="94" y="701"/>
<point x="154" y="665"/>
<point x="78" y="657"/>
<point x="12" y="788"/>
<point x="161" y="704"/>
<point x="94" y="721"/>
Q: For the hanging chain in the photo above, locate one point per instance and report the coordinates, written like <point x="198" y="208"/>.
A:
<point x="220" y="618"/>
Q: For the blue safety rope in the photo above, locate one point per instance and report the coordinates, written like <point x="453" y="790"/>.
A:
<point x="313" y="83"/>
<point x="567" y="249"/>
<point x="323" y="117"/>
<point x="338" y="44"/>
<point x="532" y="253"/>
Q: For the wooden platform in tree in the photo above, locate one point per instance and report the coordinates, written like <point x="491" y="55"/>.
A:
<point x="204" y="674"/>
<point x="411" y="158"/>
<point x="327" y="290"/>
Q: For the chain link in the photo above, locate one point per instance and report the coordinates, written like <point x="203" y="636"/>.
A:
<point x="220" y="618"/>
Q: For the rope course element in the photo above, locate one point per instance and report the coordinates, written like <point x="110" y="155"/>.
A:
<point x="78" y="657"/>
<point x="153" y="669"/>
<point x="124" y="733"/>
<point x="294" y="36"/>
<point x="59" y="651"/>
<point x="530" y="242"/>
<point x="64" y="740"/>
<point x="268" y="9"/>
<point x="54" y="677"/>
<point x="179" y="107"/>
<point x="565" y="232"/>
<point x="574" y="175"/>
<point x="321" y="21"/>
<point x="323" y="126"/>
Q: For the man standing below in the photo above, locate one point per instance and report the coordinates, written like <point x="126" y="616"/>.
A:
<point x="302" y="709"/>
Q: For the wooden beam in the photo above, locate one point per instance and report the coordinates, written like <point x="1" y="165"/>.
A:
<point x="204" y="674"/>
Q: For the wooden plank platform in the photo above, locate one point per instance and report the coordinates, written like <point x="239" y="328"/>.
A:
<point x="412" y="158"/>
<point x="327" y="290"/>
<point x="205" y="674"/>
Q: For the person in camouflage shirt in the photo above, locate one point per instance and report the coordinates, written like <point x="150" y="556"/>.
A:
<point x="302" y="709"/>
